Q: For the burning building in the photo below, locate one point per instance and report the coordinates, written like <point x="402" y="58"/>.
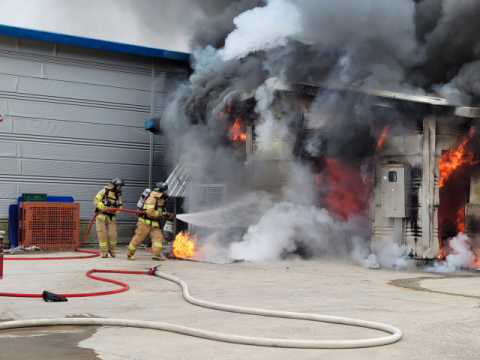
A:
<point x="286" y="101"/>
<point x="415" y="174"/>
<point x="413" y="171"/>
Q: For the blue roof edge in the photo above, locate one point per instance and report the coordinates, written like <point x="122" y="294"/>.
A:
<point x="92" y="43"/>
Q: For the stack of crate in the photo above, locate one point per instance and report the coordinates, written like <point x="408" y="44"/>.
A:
<point x="49" y="225"/>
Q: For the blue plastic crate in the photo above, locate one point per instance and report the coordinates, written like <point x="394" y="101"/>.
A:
<point x="60" y="199"/>
<point x="13" y="224"/>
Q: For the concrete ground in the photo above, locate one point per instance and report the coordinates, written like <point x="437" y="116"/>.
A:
<point x="439" y="314"/>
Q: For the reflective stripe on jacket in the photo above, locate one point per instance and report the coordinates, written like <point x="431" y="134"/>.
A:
<point x="97" y="200"/>
<point x="152" y="205"/>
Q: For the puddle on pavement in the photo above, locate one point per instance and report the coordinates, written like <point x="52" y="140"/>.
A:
<point x="49" y="342"/>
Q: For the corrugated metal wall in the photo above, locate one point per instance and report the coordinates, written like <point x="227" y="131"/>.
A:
<point x="73" y="118"/>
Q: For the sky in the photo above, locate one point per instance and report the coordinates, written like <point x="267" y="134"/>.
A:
<point x="157" y="23"/>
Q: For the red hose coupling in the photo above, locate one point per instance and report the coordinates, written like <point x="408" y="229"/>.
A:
<point x="152" y="270"/>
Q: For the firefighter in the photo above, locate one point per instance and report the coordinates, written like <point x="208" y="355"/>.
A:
<point x="148" y="224"/>
<point x="108" y="197"/>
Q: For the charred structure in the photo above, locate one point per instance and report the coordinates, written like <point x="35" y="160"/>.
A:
<point x="342" y="122"/>
<point x="412" y="173"/>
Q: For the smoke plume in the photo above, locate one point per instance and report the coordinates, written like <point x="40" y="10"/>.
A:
<point x="213" y="31"/>
<point x="288" y="228"/>
<point x="414" y="47"/>
<point x="461" y="256"/>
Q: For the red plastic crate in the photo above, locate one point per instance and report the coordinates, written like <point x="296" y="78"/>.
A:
<point x="49" y="225"/>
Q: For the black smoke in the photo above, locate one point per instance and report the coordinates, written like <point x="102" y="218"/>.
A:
<point x="407" y="46"/>
<point x="413" y="47"/>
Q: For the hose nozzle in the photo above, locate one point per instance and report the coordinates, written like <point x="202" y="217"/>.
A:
<point x="152" y="270"/>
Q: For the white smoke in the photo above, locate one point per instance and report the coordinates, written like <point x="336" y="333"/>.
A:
<point x="269" y="126"/>
<point x="287" y="227"/>
<point x="301" y="188"/>
<point x="313" y="145"/>
<point x="392" y="256"/>
<point x="451" y="94"/>
<point x="212" y="250"/>
<point x="262" y="28"/>
<point x="370" y="262"/>
<point x="276" y="230"/>
<point x="460" y="257"/>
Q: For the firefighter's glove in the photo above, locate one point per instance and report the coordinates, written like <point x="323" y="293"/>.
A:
<point x="103" y="208"/>
<point x="171" y="216"/>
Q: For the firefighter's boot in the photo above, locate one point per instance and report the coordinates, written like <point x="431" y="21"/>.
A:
<point x="130" y="257"/>
<point x="158" y="257"/>
<point x="112" y="253"/>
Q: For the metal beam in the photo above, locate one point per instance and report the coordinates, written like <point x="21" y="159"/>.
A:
<point x="429" y="243"/>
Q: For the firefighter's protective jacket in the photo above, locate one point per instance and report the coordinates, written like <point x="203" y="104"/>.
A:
<point x="112" y="196"/>
<point x="153" y="205"/>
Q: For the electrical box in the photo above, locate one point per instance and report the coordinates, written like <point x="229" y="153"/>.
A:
<point x="396" y="193"/>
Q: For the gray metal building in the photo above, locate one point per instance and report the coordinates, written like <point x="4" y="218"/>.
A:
<point x="73" y="114"/>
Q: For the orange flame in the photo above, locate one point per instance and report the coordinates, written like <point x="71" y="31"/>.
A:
<point x="453" y="163"/>
<point x="452" y="159"/>
<point x="383" y="136"/>
<point x="227" y="110"/>
<point x="184" y="245"/>
<point x="236" y="132"/>
<point x="476" y="263"/>
<point x="461" y="219"/>
<point x="347" y="192"/>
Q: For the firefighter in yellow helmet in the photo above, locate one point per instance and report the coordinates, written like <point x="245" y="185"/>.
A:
<point x="108" y="197"/>
<point x="148" y="224"/>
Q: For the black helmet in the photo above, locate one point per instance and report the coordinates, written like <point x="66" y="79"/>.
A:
<point x="117" y="185"/>
<point x="117" y="182"/>
<point x="161" y="187"/>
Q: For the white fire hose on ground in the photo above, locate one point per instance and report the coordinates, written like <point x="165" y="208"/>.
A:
<point x="396" y="334"/>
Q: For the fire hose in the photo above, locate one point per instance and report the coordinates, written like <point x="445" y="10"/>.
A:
<point x="77" y="248"/>
<point x="395" y="336"/>
<point x="125" y="286"/>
